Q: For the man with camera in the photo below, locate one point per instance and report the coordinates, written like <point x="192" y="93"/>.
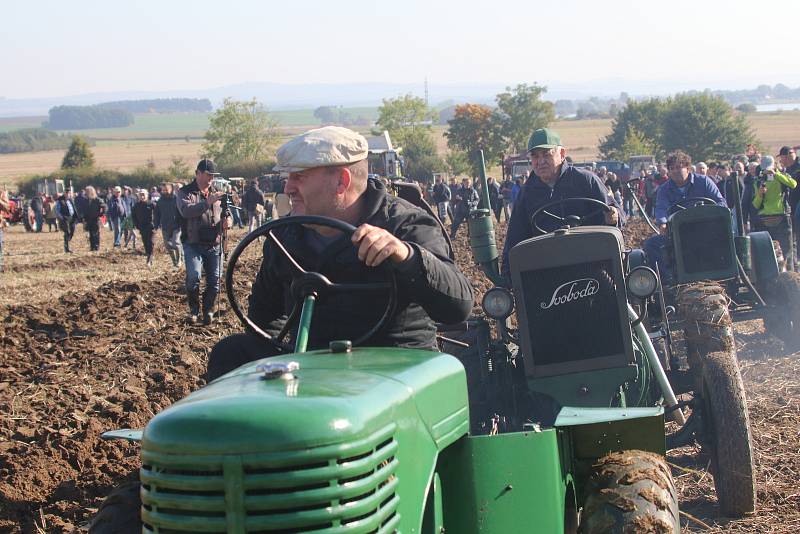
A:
<point x="202" y="225"/>
<point x="770" y="200"/>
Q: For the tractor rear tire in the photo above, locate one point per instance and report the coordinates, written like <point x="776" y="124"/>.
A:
<point x="782" y="319"/>
<point x="726" y="431"/>
<point x="120" y="512"/>
<point x="630" y="491"/>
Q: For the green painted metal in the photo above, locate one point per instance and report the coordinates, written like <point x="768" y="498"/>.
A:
<point x="483" y="188"/>
<point x="482" y="239"/>
<point x="433" y="521"/>
<point x="348" y="445"/>
<point x="304" y="326"/>
<point x="765" y="264"/>
<point x="610" y="430"/>
<point x="129" y="434"/>
<point x="599" y="388"/>
<point x="697" y="218"/>
<point x="575" y="416"/>
<point x="505" y="484"/>
<point x="743" y="251"/>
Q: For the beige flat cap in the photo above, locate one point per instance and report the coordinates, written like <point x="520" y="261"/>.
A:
<point x="323" y="147"/>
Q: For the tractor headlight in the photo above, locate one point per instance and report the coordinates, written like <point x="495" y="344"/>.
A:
<point x="498" y="303"/>
<point x="642" y="282"/>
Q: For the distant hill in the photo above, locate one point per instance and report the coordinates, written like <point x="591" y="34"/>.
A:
<point x="160" y="105"/>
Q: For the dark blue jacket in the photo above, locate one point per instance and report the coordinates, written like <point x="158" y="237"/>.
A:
<point x="572" y="183"/>
<point x="669" y="194"/>
<point x="117" y="208"/>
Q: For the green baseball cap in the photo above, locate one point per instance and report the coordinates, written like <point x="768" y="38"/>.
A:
<point x="544" y="138"/>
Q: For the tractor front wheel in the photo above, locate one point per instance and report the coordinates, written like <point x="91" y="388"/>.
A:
<point x="120" y="512"/>
<point x="630" y="491"/>
<point x="707" y="322"/>
<point x="726" y="432"/>
<point x="782" y="319"/>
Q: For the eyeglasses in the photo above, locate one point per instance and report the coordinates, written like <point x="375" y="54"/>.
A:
<point x="541" y="153"/>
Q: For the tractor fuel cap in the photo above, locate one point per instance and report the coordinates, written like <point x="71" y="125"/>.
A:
<point x="340" y="345"/>
<point x="284" y="370"/>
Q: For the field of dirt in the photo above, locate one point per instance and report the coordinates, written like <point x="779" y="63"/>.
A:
<point x="91" y="342"/>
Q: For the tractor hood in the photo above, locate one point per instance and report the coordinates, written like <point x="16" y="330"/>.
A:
<point x="333" y="398"/>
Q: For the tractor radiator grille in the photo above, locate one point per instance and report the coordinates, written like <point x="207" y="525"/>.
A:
<point x="342" y="488"/>
<point x="572" y="312"/>
<point x="705" y="246"/>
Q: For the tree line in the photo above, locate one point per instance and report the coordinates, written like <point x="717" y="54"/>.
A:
<point x="161" y="105"/>
<point x="703" y="125"/>
<point x="85" y="117"/>
<point x="242" y="134"/>
<point x="32" y="140"/>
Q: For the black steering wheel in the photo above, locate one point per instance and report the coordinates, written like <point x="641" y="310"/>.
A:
<point x="691" y="202"/>
<point x="306" y="283"/>
<point x="569" y="221"/>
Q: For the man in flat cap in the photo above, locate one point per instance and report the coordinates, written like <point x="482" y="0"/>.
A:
<point x="201" y="231"/>
<point x="553" y="178"/>
<point x="328" y="177"/>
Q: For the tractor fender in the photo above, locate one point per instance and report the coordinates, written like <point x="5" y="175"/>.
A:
<point x="596" y="432"/>
<point x="636" y="258"/>
<point x="765" y="264"/>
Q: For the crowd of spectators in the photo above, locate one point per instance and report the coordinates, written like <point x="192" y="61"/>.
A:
<point x="131" y="215"/>
<point x="767" y="187"/>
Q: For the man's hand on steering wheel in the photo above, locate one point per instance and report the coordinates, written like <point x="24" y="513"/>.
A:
<point x="612" y="216"/>
<point x="375" y="245"/>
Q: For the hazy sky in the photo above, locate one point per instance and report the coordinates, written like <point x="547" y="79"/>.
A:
<point x="59" y="48"/>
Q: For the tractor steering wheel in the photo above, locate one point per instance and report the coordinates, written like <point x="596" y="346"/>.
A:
<point x="694" y="201"/>
<point x="570" y="221"/>
<point x="308" y="283"/>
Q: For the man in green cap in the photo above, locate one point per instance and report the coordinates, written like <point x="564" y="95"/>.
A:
<point x="552" y="178"/>
<point x="328" y="176"/>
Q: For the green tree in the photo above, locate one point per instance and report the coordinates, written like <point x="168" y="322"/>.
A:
<point x="705" y="127"/>
<point x="240" y="131"/>
<point x="79" y="154"/>
<point x="472" y="128"/>
<point x="747" y="107"/>
<point x="646" y="117"/>
<point x="635" y="144"/>
<point x="326" y="114"/>
<point x="403" y="116"/>
<point x="519" y="112"/>
<point x="178" y="168"/>
<point x="458" y="162"/>
<point x="701" y="124"/>
<point x="420" y="157"/>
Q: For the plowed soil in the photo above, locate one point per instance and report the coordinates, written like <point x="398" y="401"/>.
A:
<point x="109" y="348"/>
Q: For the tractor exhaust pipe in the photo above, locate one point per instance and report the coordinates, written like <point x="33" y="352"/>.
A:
<point x="482" y="238"/>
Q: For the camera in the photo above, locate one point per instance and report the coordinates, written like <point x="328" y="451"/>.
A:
<point x="764" y="177"/>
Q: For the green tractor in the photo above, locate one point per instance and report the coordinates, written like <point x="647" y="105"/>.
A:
<point x="709" y="252"/>
<point x="560" y="419"/>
